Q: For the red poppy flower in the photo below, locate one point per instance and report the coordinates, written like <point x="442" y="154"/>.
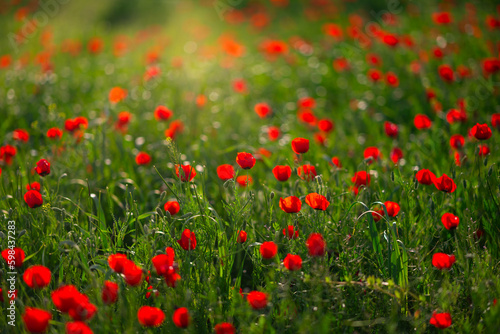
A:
<point x="292" y="262"/>
<point x="450" y="221"/>
<point x="438" y="52"/>
<point x="378" y="214"/>
<point x="109" y="292"/>
<point x="95" y="45"/>
<point x="490" y="66"/>
<point x="14" y="257"/>
<point x="142" y="158"/>
<point x="172" y="207"/>
<point x="245" y="160"/>
<point x="149" y="316"/>
<point x="445" y="183"/>
<point x="306" y="102"/>
<point x="422" y="122"/>
<point x="244" y="180"/>
<point x="181" y="317"/>
<point x="36" y="320"/>
<point x="116" y="94"/>
<point x="390" y="39"/>
<point x="290" y="204"/>
<point x="396" y="155"/>
<point x="326" y="125"/>
<point x="268" y="249"/>
<point x="117" y="262"/>
<point x="290" y="232"/>
<point x="33" y="198"/>
<point x="123" y="119"/>
<point x="373" y="153"/>
<point x="21" y="135"/>
<point x="162" y="113"/>
<point x="495" y="121"/>
<point x="225" y="172"/>
<point x="37" y="277"/>
<point x="481" y="131"/>
<point x="262" y="109"/>
<point x="442" y="18"/>
<point x="336" y="162"/>
<point x="67" y="297"/>
<point x="257" y="300"/>
<point x="446" y="73"/>
<point x="224" y="328"/>
<point x="440" y="320"/>
<point x="391" y="79"/>
<point x="187" y="240"/>
<point x="456" y="115"/>
<point x="443" y="261"/>
<point x="374" y="74"/>
<point x="307" y="116"/>
<point x="361" y="178"/>
<point x="333" y="30"/>
<point x="282" y="173"/>
<point x="273" y="132"/>
<point x="132" y="273"/>
<point x="425" y="176"/>
<point x="391" y="129"/>
<point x="7" y="152"/>
<point x="483" y="150"/>
<point x="340" y="64"/>
<point x="316" y="244"/>
<point x="163" y="263"/>
<point x="43" y="167"/>
<point x="54" y="133"/>
<point x="78" y="327"/>
<point x="457" y="141"/>
<point x="317" y="201"/>
<point x="242" y="237"/>
<point x="300" y="145"/>
<point x="185" y="172"/>
<point x="240" y="86"/>
<point x="306" y="172"/>
<point x="392" y="208"/>
<point x="83" y="310"/>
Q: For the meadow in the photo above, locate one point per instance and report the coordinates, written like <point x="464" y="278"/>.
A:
<point x="236" y="166"/>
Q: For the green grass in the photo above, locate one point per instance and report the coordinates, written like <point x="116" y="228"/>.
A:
<point x="375" y="276"/>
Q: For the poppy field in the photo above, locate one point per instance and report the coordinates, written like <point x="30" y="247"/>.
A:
<point x="236" y="166"/>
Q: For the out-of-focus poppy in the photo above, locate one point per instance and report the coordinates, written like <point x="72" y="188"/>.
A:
<point x="421" y="122"/>
<point x="142" y="158"/>
<point x="181" y="317"/>
<point x="440" y="320"/>
<point x="37" y="276"/>
<point x="36" y="320"/>
<point x="316" y="244"/>
<point x="33" y="198"/>
<point x="149" y="316"/>
<point x="292" y="262"/>
<point x="262" y="109"/>
<point x="257" y="300"/>
<point x="443" y="261"/>
<point x="290" y="232"/>
<point x="162" y="113"/>
<point x="268" y="249"/>
<point x="117" y="94"/>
